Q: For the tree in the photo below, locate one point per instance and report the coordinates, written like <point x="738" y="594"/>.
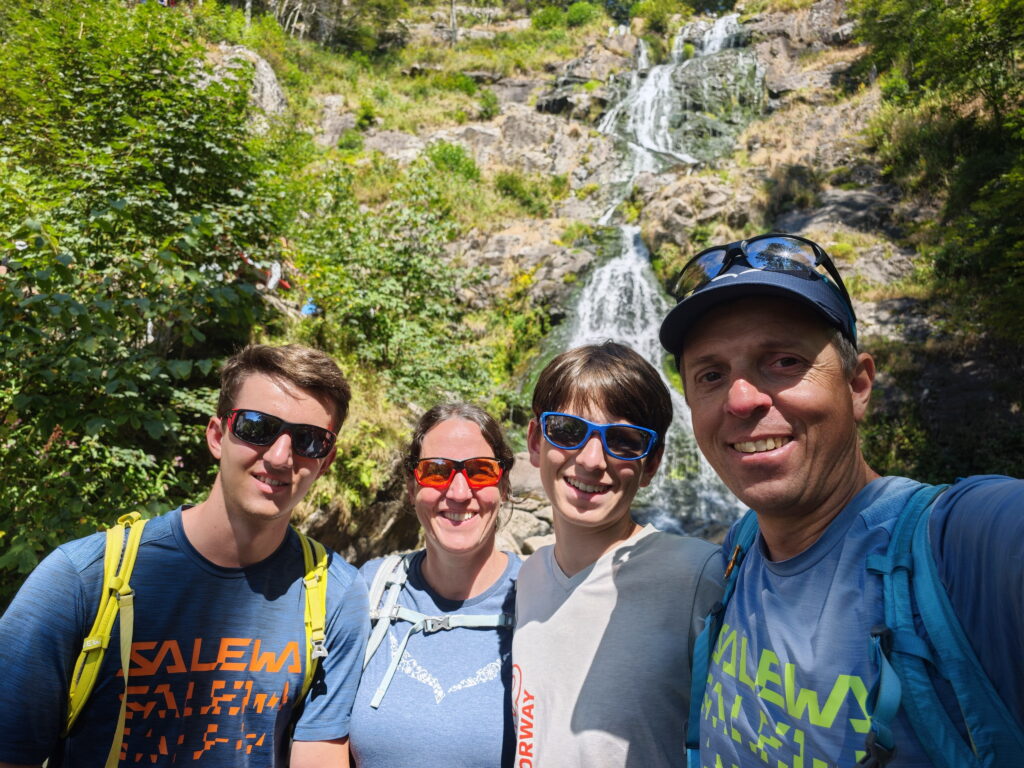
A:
<point x="128" y="189"/>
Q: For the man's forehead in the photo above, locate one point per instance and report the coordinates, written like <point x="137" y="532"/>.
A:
<point x="763" y="321"/>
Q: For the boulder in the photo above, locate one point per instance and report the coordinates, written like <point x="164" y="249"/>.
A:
<point x="334" y="120"/>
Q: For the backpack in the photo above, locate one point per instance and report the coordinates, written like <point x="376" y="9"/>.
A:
<point x="117" y="599"/>
<point x="385" y="610"/>
<point x="911" y="588"/>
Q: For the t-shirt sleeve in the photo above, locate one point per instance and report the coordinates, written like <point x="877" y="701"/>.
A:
<point x="977" y="535"/>
<point x="328" y="710"/>
<point x="40" y="637"/>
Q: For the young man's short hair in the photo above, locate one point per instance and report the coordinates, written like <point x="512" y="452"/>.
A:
<point x="301" y="366"/>
<point x="608" y="376"/>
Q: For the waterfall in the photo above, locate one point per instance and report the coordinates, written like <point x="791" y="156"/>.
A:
<point x="622" y="300"/>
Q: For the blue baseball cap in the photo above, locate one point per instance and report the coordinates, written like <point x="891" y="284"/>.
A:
<point x="740" y="281"/>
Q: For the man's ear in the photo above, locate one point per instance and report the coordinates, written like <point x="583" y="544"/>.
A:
<point x="651" y="464"/>
<point x="215" y="436"/>
<point x="860" y="385"/>
<point x="533" y="441"/>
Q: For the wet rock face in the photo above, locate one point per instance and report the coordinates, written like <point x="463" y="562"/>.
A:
<point x="717" y="97"/>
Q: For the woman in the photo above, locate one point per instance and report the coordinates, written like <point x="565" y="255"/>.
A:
<point x="435" y="688"/>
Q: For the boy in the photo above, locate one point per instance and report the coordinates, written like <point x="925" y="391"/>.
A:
<point x="606" y="618"/>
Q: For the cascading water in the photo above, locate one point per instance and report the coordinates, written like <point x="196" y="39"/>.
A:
<point x="622" y="301"/>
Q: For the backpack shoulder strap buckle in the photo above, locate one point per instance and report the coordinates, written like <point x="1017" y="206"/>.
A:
<point x="436" y="624"/>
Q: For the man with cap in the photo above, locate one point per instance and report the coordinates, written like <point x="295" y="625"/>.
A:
<point x="766" y="342"/>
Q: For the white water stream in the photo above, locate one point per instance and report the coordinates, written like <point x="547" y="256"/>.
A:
<point x="623" y="302"/>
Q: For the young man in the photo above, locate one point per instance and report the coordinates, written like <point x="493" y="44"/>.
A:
<point x="766" y="337"/>
<point x="218" y="653"/>
<point x="605" y="618"/>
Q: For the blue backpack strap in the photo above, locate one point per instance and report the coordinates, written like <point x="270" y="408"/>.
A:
<point x="745" y="533"/>
<point x="996" y="739"/>
<point x="906" y="661"/>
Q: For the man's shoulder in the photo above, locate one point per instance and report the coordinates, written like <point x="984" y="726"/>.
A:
<point x="982" y="511"/>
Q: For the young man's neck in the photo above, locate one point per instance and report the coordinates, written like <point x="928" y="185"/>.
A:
<point x="231" y="539"/>
<point x="577" y="548"/>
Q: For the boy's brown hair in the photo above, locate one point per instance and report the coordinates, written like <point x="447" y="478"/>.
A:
<point x="301" y="366"/>
<point x="608" y="376"/>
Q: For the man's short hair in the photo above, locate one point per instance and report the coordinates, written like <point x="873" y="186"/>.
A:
<point x="611" y="377"/>
<point x="301" y="366"/>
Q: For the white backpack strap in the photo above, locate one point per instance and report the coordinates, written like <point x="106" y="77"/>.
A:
<point x="428" y="625"/>
<point x="390" y="576"/>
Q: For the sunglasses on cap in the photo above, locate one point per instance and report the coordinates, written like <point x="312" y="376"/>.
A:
<point x="621" y="441"/>
<point x="258" y="428"/>
<point x="437" y="472"/>
<point x="791" y="254"/>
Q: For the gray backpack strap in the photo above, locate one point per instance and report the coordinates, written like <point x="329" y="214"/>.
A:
<point x="428" y="625"/>
<point x="390" y="576"/>
<point x="385" y="610"/>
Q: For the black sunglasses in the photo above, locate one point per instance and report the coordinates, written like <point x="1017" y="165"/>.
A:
<point x="258" y="428"/>
<point x="774" y="253"/>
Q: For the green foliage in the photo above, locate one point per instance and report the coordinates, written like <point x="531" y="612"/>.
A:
<point x="658" y="13"/>
<point x="351" y="140"/>
<point x="386" y="291"/>
<point x="366" y="115"/>
<point x="952" y="127"/>
<point x="965" y="50"/>
<point x="453" y="158"/>
<point x="582" y="13"/>
<point x="127" y="195"/>
<point x="489" y="106"/>
<point x="531" y="195"/>
<point x="456" y="81"/>
<point x="548" y="17"/>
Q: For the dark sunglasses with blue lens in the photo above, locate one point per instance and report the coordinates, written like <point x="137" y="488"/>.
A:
<point x="259" y="428"/>
<point x="621" y="441"/>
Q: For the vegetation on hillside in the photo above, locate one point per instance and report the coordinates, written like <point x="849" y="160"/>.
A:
<point x="140" y="218"/>
<point x="953" y="128"/>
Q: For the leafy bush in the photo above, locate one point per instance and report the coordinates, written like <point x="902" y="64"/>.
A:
<point x="489" y="106"/>
<point x="456" y="81"/>
<point x="387" y="293"/>
<point x="128" y="195"/>
<point x="453" y="158"/>
<point x="549" y="17"/>
<point x="658" y="13"/>
<point x="581" y="13"/>
<point x="351" y="140"/>
<point x="530" y="195"/>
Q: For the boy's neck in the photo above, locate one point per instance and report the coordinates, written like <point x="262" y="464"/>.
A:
<point x="577" y="548"/>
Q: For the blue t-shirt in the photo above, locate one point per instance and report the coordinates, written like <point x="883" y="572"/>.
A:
<point x="218" y="657"/>
<point x="448" y="703"/>
<point x="791" y="671"/>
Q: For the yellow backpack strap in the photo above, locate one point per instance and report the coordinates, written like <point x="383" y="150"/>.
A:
<point x="314" y="557"/>
<point x="116" y="597"/>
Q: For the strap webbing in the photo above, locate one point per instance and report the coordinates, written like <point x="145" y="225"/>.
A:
<point x="392" y="576"/>
<point x="116" y="599"/>
<point x="314" y="558"/>
<point x="704" y="645"/>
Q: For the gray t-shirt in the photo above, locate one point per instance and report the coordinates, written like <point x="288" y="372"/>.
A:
<point x="601" y="661"/>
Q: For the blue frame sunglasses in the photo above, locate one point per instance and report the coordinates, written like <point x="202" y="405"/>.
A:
<point x="621" y="441"/>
